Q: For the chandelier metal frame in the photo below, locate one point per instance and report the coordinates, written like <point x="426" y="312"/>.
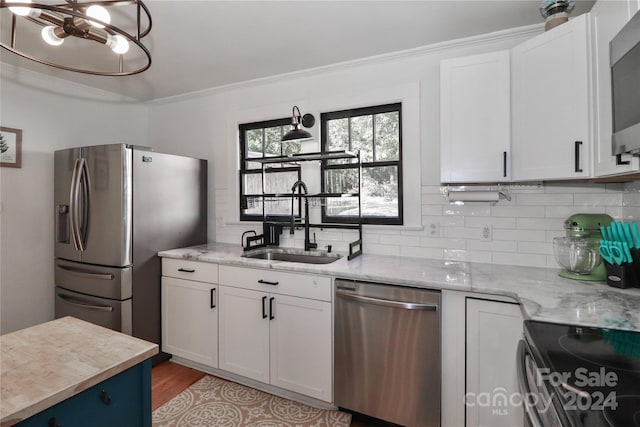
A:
<point x="72" y="14"/>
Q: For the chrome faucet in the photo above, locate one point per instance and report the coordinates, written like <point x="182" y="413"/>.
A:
<point x="307" y="242"/>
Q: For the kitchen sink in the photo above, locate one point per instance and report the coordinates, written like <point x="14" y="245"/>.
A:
<point x="292" y="255"/>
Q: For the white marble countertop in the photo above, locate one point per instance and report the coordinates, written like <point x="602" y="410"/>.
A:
<point x="51" y="362"/>
<point x="543" y="294"/>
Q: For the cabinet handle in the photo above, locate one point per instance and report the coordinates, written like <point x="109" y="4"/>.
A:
<point x="212" y="300"/>
<point x="187" y="270"/>
<point x="264" y="309"/>
<point x="104" y="398"/>
<point x="504" y="164"/>
<point x="577" y="156"/>
<point x="53" y="422"/>
<point x="619" y="160"/>
<point x="265" y="282"/>
<point x="271" y="316"/>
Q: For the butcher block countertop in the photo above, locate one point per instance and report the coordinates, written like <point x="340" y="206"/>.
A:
<point x="51" y="362"/>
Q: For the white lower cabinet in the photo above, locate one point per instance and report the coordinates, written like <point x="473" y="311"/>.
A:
<point x="277" y="339"/>
<point x="493" y="331"/>
<point x="190" y="320"/>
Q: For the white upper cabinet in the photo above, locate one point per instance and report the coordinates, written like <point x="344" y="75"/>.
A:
<point x="475" y="118"/>
<point x="551" y="104"/>
<point x="608" y="17"/>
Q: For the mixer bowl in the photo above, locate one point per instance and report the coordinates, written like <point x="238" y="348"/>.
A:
<point x="576" y="256"/>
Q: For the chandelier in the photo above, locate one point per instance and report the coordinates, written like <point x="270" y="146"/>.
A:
<point x="79" y="36"/>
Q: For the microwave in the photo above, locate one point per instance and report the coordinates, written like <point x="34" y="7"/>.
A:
<point x="624" y="51"/>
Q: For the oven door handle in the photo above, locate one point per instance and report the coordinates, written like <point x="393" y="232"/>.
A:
<point x="529" y="410"/>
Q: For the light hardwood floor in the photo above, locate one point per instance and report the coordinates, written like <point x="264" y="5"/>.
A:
<point x="169" y="379"/>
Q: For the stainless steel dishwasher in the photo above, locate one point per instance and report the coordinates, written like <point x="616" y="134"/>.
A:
<point x="387" y="352"/>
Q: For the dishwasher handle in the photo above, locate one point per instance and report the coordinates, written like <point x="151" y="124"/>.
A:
<point x="386" y="302"/>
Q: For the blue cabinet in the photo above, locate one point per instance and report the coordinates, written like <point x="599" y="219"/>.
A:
<point x="122" y="400"/>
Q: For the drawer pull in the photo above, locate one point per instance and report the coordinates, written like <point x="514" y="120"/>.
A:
<point x="104" y="398"/>
<point x="187" y="270"/>
<point x="265" y="282"/>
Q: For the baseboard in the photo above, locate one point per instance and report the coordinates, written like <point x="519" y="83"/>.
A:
<point x="267" y="388"/>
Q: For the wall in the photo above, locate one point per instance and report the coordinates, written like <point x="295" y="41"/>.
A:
<point x="52" y="114"/>
<point x="522" y="230"/>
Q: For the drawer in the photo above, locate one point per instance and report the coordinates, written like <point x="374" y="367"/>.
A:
<point x="277" y="282"/>
<point x="190" y="270"/>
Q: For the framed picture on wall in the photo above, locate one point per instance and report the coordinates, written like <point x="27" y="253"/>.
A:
<point x="10" y="147"/>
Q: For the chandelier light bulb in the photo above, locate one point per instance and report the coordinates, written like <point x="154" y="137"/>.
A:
<point x="118" y="44"/>
<point x="25" y="11"/>
<point x="49" y="35"/>
<point x="99" y="13"/>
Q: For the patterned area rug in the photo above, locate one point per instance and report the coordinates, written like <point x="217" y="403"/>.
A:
<point x="215" y="402"/>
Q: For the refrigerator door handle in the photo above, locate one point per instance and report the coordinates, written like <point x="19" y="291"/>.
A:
<point x="73" y="205"/>
<point x="82" y="304"/>
<point x="87" y="274"/>
<point x="85" y="183"/>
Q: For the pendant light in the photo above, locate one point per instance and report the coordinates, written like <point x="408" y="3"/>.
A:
<point x="297" y="134"/>
<point x="118" y="52"/>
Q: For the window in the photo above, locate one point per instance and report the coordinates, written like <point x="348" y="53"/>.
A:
<point x="375" y="132"/>
<point x="262" y="139"/>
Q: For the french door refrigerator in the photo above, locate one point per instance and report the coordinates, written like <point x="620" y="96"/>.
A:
<point x="116" y="206"/>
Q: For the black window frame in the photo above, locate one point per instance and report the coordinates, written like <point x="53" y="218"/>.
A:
<point x="325" y="166"/>
<point x="244" y="170"/>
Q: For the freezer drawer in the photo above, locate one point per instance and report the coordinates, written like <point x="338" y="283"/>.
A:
<point x="111" y="314"/>
<point x="105" y="282"/>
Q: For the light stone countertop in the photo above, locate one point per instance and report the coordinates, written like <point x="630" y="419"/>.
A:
<point x="543" y="294"/>
<point x="51" y="362"/>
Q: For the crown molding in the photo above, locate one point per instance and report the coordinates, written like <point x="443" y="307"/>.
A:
<point x="519" y="32"/>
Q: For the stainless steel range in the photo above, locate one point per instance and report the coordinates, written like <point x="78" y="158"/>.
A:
<point x="574" y="376"/>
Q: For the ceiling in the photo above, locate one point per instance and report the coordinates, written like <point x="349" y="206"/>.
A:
<point x="197" y="45"/>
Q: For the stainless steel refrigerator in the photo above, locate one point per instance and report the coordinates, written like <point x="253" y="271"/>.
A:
<point x="116" y="206"/>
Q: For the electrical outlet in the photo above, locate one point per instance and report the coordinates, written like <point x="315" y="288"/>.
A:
<point x="486" y="233"/>
<point x="433" y="229"/>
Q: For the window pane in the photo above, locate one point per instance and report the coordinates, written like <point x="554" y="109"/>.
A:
<point x="338" y="134"/>
<point x="380" y="188"/>
<point x="379" y="191"/>
<point x="289" y="147"/>
<point x="387" y="136"/>
<point x="277" y="182"/>
<point x="362" y="136"/>
<point x="254" y="142"/>
<point x="272" y="138"/>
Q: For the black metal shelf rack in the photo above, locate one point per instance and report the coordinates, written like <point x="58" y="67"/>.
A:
<point x="355" y="247"/>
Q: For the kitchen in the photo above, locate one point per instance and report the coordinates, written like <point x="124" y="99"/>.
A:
<point x="196" y="125"/>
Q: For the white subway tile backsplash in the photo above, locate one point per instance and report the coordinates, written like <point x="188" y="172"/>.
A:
<point x="598" y="199"/>
<point x="400" y="240"/>
<point x="496" y="222"/>
<point x="435" y="242"/>
<point x="574" y="188"/>
<point x="493" y="246"/>
<point x="566" y="211"/>
<point x="517" y="235"/>
<point x="467" y="210"/>
<point x="416" y="252"/>
<point x="544" y="199"/>
<point x="518" y="211"/>
<point x="540" y="223"/>
<point x="380" y="249"/>
<point x="535" y="248"/>
<point x="511" y="258"/>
